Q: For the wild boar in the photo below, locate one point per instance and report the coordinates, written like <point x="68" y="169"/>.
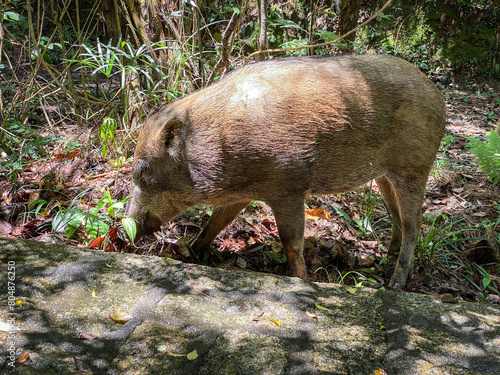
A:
<point x="280" y="130"/>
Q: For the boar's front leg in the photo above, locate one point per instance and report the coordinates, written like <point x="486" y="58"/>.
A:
<point x="220" y="218"/>
<point x="289" y="216"/>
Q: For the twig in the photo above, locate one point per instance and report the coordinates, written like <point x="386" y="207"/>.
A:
<point x="223" y="61"/>
<point x="196" y="290"/>
<point x="320" y="44"/>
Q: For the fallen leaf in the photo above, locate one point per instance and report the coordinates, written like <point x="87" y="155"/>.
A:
<point x="120" y="317"/>
<point x="7" y="196"/>
<point x="68" y="155"/>
<point x="276" y="322"/>
<point x="379" y="371"/>
<point x="192" y="355"/>
<point x="93" y="294"/>
<point x="314" y="214"/>
<point x="311" y="315"/>
<point x="96" y="242"/>
<point x="87" y="336"/>
<point x="24" y="358"/>
<point x="34" y="196"/>
<point x="320" y="307"/>
<point x="176" y="355"/>
<point x="5" y="228"/>
<point x="352" y="290"/>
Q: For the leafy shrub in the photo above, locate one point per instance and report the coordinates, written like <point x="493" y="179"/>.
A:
<point x="487" y="154"/>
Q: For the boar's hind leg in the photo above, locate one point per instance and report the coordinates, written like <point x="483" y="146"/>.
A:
<point x="389" y="196"/>
<point x="220" y="218"/>
<point x="409" y="191"/>
<point x="289" y="215"/>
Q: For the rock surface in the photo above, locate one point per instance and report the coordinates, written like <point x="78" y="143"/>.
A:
<point x="238" y="322"/>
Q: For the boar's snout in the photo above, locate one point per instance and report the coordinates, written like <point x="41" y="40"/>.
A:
<point x="146" y="222"/>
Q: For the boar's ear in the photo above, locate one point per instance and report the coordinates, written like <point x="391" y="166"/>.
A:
<point x="170" y="130"/>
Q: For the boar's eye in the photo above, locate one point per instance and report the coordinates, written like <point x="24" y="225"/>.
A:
<point x="140" y="173"/>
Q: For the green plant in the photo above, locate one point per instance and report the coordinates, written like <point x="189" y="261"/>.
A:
<point x="108" y="132"/>
<point x="368" y="222"/>
<point x="442" y="160"/>
<point x="96" y="221"/>
<point x="439" y="234"/>
<point x="21" y="144"/>
<point x="51" y="52"/>
<point x="487" y="154"/>
<point x="490" y="226"/>
<point x="357" y="276"/>
<point x="14" y="21"/>
<point x="126" y="62"/>
<point x="486" y="284"/>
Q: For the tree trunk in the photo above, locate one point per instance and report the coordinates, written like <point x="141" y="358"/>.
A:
<point x="349" y="14"/>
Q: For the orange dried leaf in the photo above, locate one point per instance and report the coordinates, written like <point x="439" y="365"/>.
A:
<point x="68" y="155"/>
<point x="72" y="154"/>
<point x="314" y="214"/>
<point x="96" y="243"/>
<point x="24" y="358"/>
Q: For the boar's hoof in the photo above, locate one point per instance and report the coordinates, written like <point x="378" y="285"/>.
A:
<point x="397" y="281"/>
<point x="296" y="271"/>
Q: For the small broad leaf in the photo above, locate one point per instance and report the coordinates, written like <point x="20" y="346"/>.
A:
<point x="320" y="307"/>
<point x="172" y="354"/>
<point x="11" y="16"/>
<point x="130" y="228"/>
<point x="352" y="290"/>
<point x="192" y="355"/>
<point x="311" y="315"/>
<point x="120" y="317"/>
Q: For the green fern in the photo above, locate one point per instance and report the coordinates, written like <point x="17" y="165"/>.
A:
<point x="488" y="155"/>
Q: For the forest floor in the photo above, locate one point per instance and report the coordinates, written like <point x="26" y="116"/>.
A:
<point x="346" y="236"/>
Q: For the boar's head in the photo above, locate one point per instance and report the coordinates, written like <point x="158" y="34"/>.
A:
<point x="160" y="183"/>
